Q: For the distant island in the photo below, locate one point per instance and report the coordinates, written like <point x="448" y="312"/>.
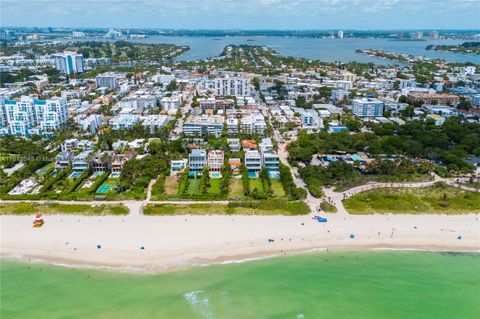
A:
<point x="465" y="47"/>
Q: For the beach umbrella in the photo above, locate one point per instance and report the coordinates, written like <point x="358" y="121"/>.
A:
<point x="38" y="217"/>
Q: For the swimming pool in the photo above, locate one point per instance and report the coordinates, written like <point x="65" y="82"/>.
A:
<point x="75" y="175"/>
<point x="252" y="174"/>
<point x="337" y="129"/>
<point x="215" y="175"/>
<point x="274" y="174"/>
<point x="115" y="175"/>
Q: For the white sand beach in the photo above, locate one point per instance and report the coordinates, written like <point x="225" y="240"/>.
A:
<point x="181" y="241"/>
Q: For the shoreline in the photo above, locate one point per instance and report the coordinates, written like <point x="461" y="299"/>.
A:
<point x="173" y="243"/>
<point x="38" y="260"/>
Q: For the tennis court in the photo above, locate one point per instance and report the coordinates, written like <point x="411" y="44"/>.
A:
<point x="104" y="188"/>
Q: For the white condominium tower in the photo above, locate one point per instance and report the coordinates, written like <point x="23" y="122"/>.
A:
<point x="232" y="86"/>
<point x="69" y="62"/>
<point x="27" y="116"/>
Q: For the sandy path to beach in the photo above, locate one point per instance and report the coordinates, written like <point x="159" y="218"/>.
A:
<point x="180" y="241"/>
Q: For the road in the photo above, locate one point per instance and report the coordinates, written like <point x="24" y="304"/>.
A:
<point x="178" y="128"/>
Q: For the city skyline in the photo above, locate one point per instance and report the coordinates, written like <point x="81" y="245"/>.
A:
<point x="245" y="15"/>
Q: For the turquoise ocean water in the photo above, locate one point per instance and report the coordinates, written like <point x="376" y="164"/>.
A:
<point x="322" y="285"/>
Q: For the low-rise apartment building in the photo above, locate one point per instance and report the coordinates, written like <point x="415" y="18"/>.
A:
<point x="202" y="125"/>
<point x="368" y="107"/>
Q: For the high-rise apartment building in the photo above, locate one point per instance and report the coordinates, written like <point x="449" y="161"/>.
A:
<point x="68" y="62"/>
<point x="27" y="116"/>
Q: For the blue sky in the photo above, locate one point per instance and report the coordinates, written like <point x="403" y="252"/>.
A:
<point x="244" y="14"/>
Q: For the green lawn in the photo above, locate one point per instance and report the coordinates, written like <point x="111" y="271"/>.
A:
<point x="214" y="186"/>
<point x="193" y="186"/>
<point x="23" y="208"/>
<point x="256" y="183"/>
<point x="260" y="207"/>
<point x="438" y="199"/>
<point x="236" y="188"/>
<point x="277" y="188"/>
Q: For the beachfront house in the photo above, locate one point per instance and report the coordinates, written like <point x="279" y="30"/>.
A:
<point x="118" y="160"/>
<point x="178" y="165"/>
<point x="102" y="162"/>
<point x="253" y="161"/>
<point x="197" y="161"/>
<point x="271" y="161"/>
<point x="81" y="161"/>
<point x="215" y="160"/>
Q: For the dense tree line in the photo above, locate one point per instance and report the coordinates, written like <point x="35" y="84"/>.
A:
<point x="449" y="144"/>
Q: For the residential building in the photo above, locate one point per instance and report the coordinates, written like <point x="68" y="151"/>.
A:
<point x="154" y="122"/>
<point x="405" y="84"/>
<point x="68" y="62"/>
<point x="339" y="95"/>
<point x="178" y="165"/>
<point x="101" y="162"/>
<point x="81" y="161"/>
<point x="253" y="161"/>
<point x="215" y="160"/>
<point x="171" y="104"/>
<point x="432" y="98"/>
<point x="123" y="121"/>
<point x="91" y="123"/>
<point x="439" y="120"/>
<point x="163" y="79"/>
<point x="108" y="80"/>
<point x="266" y="145"/>
<point x="197" y="160"/>
<point x="476" y="99"/>
<point x="62" y="160"/>
<point x="249" y="145"/>
<point x="234" y="144"/>
<point x="253" y="123"/>
<point x="307" y="119"/>
<point x="438" y="86"/>
<point x="232" y="125"/>
<point x="212" y="103"/>
<point x="27" y="116"/>
<point x="202" y="125"/>
<point x="234" y="164"/>
<point x="434" y="35"/>
<point x="232" y="86"/>
<point x="118" y="160"/>
<point x="271" y="161"/>
<point x="368" y="107"/>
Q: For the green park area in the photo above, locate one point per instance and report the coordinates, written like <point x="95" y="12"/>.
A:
<point x="260" y="207"/>
<point x="437" y="199"/>
<point x="24" y="208"/>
